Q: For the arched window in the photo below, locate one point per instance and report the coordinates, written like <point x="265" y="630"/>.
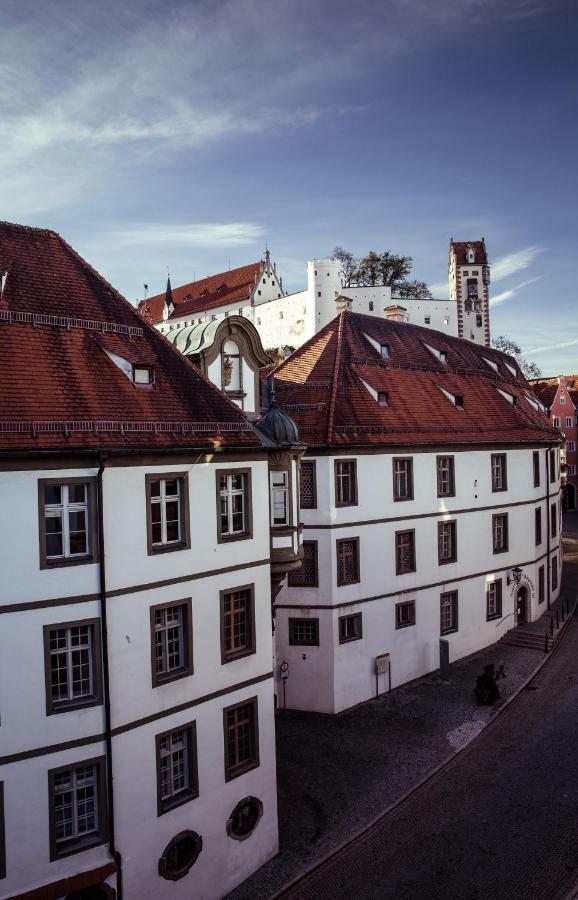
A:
<point x="231" y="375"/>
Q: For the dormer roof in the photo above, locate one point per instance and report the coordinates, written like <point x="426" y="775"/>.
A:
<point x="460" y="249"/>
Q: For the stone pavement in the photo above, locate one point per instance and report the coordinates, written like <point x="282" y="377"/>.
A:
<point x="336" y="774"/>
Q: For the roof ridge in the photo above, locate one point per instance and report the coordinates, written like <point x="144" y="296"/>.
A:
<point x="335" y="373"/>
<point x="28" y="228"/>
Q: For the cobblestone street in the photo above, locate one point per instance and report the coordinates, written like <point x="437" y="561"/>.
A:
<point x="477" y="825"/>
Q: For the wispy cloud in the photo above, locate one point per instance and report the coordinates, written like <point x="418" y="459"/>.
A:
<point x="208" y="234"/>
<point x="560" y="345"/>
<point x="511" y="292"/>
<point x="514" y="262"/>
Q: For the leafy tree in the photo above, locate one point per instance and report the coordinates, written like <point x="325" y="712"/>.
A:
<point x="393" y="269"/>
<point x="507" y="345"/>
<point x="368" y="271"/>
<point x="417" y="289"/>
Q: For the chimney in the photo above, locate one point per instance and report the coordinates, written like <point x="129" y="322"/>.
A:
<point x="342" y="303"/>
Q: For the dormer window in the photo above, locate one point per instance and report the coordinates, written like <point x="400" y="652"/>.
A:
<point x="142" y="375"/>
<point x="456" y="399"/>
<point x="384" y="350"/>
<point x="470" y="255"/>
<point x="383" y="398"/>
<point x="440" y="355"/>
<point x="511" y="398"/>
<point x="443" y="357"/>
<point x="490" y="362"/>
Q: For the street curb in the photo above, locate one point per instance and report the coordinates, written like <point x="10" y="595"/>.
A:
<point x="435" y="771"/>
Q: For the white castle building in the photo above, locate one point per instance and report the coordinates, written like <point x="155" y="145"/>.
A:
<point x="288" y="320"/>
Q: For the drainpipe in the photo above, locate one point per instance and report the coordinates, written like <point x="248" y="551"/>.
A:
<point x="106" y="678"/>
<point x="548" y="580"/>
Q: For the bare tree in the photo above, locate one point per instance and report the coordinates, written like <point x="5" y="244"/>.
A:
<point x="348" y="264"/>
<point x="509" y="346"/>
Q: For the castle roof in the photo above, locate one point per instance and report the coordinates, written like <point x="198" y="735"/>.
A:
<point x="341" y="390"/>
<point x="234" y="286"/>
<point x="460" y="248"/>
<point x="69" y="344"/>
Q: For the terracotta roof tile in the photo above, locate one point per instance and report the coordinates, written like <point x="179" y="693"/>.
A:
<point x="460" y="248"/>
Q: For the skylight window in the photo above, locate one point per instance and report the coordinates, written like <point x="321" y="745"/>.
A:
<point x="142" y="375"/>
<point x="384" y="349"/>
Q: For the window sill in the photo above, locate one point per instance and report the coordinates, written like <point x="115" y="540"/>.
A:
<point x="69" y="561"/>
<point x="404" y="625"/>
<point x="230" y="774"/>
<point x="159" y="680"/>
<point x="166" y="806"/>
<point x="238" y="654"/>
<point x="76" y="846"/>
<point x="449" y="631"/>
<point x="446" y="562"/>
<point x="55" y="707"/>
<point x="347" y="583"/>
<point x="494" y="616"/>
<point x="230" y="539"/>
<point x="502" y="550"/>
<point x="157" y="549"/>
<point x="348" y="640"/>
<point x="405" y="571"/>
<point x="402" y="499"/>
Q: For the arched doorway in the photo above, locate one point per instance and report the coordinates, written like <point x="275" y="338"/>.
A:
<point x="521" y="604"/>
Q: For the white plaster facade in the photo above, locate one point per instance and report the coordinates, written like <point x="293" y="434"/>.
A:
<point x="32" y="742"/>
<point x="332" y="676"/>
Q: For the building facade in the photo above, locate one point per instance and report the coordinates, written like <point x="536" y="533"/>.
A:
<point x="469" y="278"/>
<point x="430" y="500"/>
<point x="559" y="396"/>
<point x="144" y="524"/>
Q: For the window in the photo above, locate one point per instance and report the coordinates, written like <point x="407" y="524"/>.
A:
<point x="446" y="320"/>
<point x="536" y="466"/>
<point x="538" y="525"/>
<point x="371" y="306"/>
<point x="383" y="398"/>
<point x="427" y="320"/>
<point x="308" y="485"/>
<point x="562" y="400"/>
<point x="67" y="511"/>
<point x="402" y="478"/>
<point x="479" y="320"/>
<point x="72" y="663"/>
<point x="306" y="576"/>
<point x="569" y="422"/>
<point x="244" y="818"/>
<point x="571" y="446"/>
<point x="571" y="469"/>
<point x="179" y="855"/>
<point x="77" y="807"/>
<point x="347" y="562"/>
<point x="405" y="614"/>
<point x="447" y="543"/>
<point x="494" y="600"/>
<point x="345" y="482"/>
<point x="384" y="349"/>
<point x="556" y="421"/>
<point x="279" y="497"/>
<point x="234" y="505"/>
<point x="541" y="585"/>
<point x="445" y="476"/>
<point x="177" y="780"/>
<point x="449" y="612"/>
<point x="241" y="738"/>
<point x="304" y="632"/>
<point x="142" y="375"/>
<point x="554" y="573"/>
<point x="350" y="628"/>
<point x="552" y="465"/>
<point x="237" y="623"/>
<point x="499" y="473"/>
<point x="167" y="498"/>
<point x="442" y="354"/>
<point x="404" y="552"/>
<point x="500" y="533"/>
<point x="171" y="641"/>
<point x="553" y="520"/>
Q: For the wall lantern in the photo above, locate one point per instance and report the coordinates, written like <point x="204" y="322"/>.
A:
<point x="516" y="575"/>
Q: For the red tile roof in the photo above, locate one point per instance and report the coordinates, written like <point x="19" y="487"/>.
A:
<point x="234" y="286"/>
<point x="322" y="387"/>
<point x="60" y="389"/>
<point x="460" y="248"/>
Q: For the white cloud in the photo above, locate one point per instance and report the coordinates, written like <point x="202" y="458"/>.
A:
<point x="514" y="262"/>
<point x="511" y="292"/>
<point x="209" y="234"/>
<point x="547" y="347"/>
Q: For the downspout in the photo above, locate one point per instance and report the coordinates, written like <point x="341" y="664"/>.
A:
<point x="106" y="677"/>
<point x="548" y="580"/>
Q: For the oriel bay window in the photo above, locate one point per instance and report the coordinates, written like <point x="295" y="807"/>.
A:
<point x="500" y="533"/>
<point x="494" y="599"/>
<point x="404" y="552"/>
<point x="177" y="780"/>
<point x="237" y="623"/>
<point x="234" y="516"/>
<point x="72" y="664"/>
<point x="241" y="738"/>
<point x="77" y="807"/>
<point x="67" y="511"/>
<point x="347" y="561"/>
<point x="447" y="543"/>
<point x="403" y="478"/>
<point x="280" y="498"/>
<point x="445" y="476"/>
<point x="499" y="472"/>
<point x="345" y="482"/>
<point x="167" y="512"/>
<point x="171" y="641"/>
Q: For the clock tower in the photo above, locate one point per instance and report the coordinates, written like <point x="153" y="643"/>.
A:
<point x="469" y="280"/>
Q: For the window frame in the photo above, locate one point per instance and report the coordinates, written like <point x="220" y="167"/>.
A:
<point x="247" y="533"/>
<point x="78" y="845"/>
<point x="357" y="618"/>
<point x="398" y="623"/>
<point x="452" y="481"/>
<point x="455" y="620"/>
<point x="541" y="584"/>
<point x="190" y="793"/>
<point x="184" y="512"/>
<point x="356" y="555"/>
<point x="506" y="546"/>
<point x="307" y="584"/>
<point x="291" y="637"/>
<point x="504" y="473"/>
<point x="554" y="572"/>
<point x="497" y="582"/>
<point x="285" y="489"/>
<point x="235" y="771"/>
<point x="409" y="475"/>
<point x="536" y="467"/>
<point x="538" y="525"/>
<point x="352" y="463"/>
<point x="443" y="561"/>
<point x="54" y="707"/>
<point x="228" y="656"/>
<point x="553" y="520"/>
<point x="188" y="668"/>
<point x="552" y="466"/>
<point x="412" y="568"/>
<point x="91" y="523"/>
<point x="313" y="464"/>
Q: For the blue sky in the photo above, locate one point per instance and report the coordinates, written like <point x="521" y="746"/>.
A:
<point x="186" y="135"/>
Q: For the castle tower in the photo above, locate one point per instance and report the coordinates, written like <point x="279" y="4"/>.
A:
<point x="469" y="279"/>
